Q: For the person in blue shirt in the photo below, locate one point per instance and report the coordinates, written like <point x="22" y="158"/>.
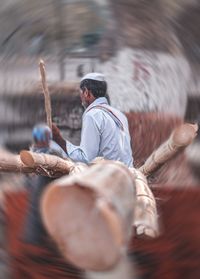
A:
<point x="105" y="131"/>
<point x="42" y="141"/>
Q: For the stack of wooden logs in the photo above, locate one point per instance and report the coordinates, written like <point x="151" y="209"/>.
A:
<point x="90" y="212"/>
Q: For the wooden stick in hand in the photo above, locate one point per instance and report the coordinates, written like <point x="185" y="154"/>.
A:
<point x="46" y="93"/>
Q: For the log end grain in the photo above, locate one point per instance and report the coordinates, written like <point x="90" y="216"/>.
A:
<point x="27" y="158"/>
<point x="80" y="228"/>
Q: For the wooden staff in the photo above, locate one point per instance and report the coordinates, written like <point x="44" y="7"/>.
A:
<point x="47" y="99"/>
<point x="89" y="215"/>
<point x="180" y="138"/>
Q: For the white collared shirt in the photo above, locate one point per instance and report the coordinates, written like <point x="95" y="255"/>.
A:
<point x="101" y="136"/>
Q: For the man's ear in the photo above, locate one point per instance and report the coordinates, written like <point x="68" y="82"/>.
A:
<point x="86" y="91"/>
<point x="89" y="93"/>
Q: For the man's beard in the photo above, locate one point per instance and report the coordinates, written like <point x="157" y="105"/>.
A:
<point x="85" y="105"/>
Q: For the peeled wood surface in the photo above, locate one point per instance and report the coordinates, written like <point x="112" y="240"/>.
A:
<point x="44" y="164"/>
<point x="180" y="138"/>
<point x="89" y="215"/>
<point x="11" y="163"/>
<point x="46" y="161"/>
<point x="145" y="211"/>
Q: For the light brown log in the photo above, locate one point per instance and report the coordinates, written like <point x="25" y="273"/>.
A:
<point x="78" y="168"/>
<point x="146" y="221"/>
<point x="44" y="164"/>
<point x="47" y="99"/>
<point x="12" y="163"/>
<point x="145" y="218"/>
<point x="48" y="162"/>
<point x="89" y="215"/>
<point x="180" y="138"/>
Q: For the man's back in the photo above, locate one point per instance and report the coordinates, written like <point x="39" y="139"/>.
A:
<point x="112" y="126"/>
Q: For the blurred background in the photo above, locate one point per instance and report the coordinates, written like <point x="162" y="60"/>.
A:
<point x="148" y="50"/>
<point x="132" y="42"/>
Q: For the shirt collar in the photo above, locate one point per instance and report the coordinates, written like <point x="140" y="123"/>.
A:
<point x="98" y="101"/>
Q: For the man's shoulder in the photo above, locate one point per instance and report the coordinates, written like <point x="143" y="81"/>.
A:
<point x="95" y="110"/>
<point x="93" y="115"/>
<point x="101" y="108"/>
<point x="117" y="112"/>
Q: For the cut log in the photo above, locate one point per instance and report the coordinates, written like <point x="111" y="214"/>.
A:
<point x="145" y="218"/>
<point x="51" y="163"/>
<point x="180" y="138"/>
<point x="89" y="215"/>
<point x="12" y="163"/>
<point x="40" y="163"/>
<point x="43" y="164"/>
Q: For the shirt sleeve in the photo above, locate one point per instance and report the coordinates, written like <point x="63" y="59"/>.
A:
<point x="90" y="141"/>
<point x="57" y="150"/>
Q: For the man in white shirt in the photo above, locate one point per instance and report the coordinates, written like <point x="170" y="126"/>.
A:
<point x="105" y="131"/>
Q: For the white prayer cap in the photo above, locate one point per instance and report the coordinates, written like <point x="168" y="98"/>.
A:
<point x="94" y="76"/>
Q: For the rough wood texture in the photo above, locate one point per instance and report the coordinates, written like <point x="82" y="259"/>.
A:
<point x="180" y="138"/>
<point x="90" y="215"/>
<point x="146" y="214"/>
<point x="53" y="165"/>
<point x="47" y="99"/>
<point x="11" y="163"/>
<point x="44" y="164"/>
<point x="145" y="218"/>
